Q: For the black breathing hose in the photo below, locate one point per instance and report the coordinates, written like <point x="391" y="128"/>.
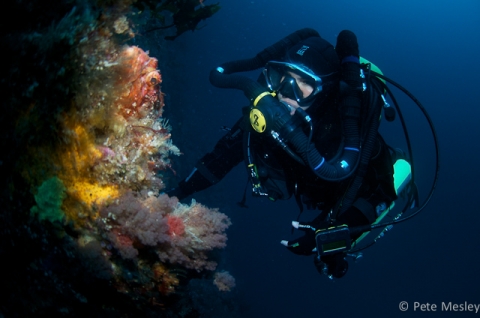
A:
<point x="350" y="105"/>
<point x="366" y="228"/>
<point x="224" y="76"/>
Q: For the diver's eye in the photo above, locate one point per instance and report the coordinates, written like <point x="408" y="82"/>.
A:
<point x="305" y="87"/>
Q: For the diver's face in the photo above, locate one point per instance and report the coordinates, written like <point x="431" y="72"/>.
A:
<point x="304" y="87"/>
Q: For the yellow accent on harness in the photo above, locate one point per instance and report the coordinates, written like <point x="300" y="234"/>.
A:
<point x="257" y="120"/>
<point x="262" y="95"/>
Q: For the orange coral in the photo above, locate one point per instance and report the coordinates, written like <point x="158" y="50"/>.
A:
<point x="166" y="280"/>
<point x="120" y="100"/>
<point x="142" y="78"/>
<point x="112" y="142"/>
<point x="113" y="139"/>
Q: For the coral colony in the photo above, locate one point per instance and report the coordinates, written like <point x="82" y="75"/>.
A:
<point x="103" y="177"/>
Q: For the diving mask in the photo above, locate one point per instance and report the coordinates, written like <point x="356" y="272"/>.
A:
<point x="293" y="81"/>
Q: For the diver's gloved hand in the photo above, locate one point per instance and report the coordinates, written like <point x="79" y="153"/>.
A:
<point x="347" y="46"/>
<point x="304" y="245"/>
<point x="333" y="265"/>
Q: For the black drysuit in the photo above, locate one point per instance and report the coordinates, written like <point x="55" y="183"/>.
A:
<point x="282" y="176"/>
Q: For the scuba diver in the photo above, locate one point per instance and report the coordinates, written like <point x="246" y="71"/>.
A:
<point x="311" y="132"/>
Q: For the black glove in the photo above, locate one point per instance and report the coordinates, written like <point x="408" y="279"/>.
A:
<point x="304" y="245"/>
<point x="347" y="45"/>
<point x="333" y="265"/>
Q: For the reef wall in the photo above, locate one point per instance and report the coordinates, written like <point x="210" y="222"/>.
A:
<point x="88" y="146"/>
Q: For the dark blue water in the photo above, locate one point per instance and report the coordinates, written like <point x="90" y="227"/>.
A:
<point x="431" y="48"/>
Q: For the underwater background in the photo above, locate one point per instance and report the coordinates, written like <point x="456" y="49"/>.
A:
<point x="99" y="265"/>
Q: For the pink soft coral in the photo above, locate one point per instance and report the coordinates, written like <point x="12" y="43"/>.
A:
<point x="224" y="281"/>
<point x="180" y="234"/>
<point x="204" y="231"/>
<point x="141" y="219"/>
